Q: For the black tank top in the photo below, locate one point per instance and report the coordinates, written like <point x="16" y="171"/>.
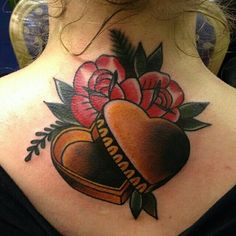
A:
<point x="19" y="217"/>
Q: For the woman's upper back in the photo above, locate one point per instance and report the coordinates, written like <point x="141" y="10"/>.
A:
<point x="128" y="121"/>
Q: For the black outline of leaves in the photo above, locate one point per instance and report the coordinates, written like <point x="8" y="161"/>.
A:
<point x="192" y="109"/>
<point x="124" y="50"/>
<point x="188" y="112"/>
<point x="150" y="204"/>
<point x="65" y="91"/>
<point x="136" y="203"/>
<point x="47" y="135"/>
<point x="143" y="201"/>
<point x="62" y="111"/>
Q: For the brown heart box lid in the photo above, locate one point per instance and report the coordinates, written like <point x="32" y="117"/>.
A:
<point x="156" y="149"/>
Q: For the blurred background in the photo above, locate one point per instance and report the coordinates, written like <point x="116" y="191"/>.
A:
<point x="8" y="62"/>
<point x="24" y="34"/>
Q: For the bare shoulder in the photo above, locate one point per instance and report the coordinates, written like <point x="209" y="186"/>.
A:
<point x="21" y="96"/>
<point x="11" y="96"/>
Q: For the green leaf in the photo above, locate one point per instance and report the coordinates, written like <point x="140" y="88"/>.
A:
<point x="54" y="126"/>
<point x="192" y="124"/>
<point x="124" y="50"/>
<point x="43" y="143"/>
<point x="28" y="158"/>
<point x="36" y="151"/>
<point x="140" y="60"/>
<point x="155" y="60"/>
<point x="150" y="204"/>
<point x="136" y="203"/>
<point x="65" y="91"/>
<point x="60" y="123"/>
<point x="62" y="112"/>
<point x="47" y="129"/>
<point x="35" y="141"/>
<point x="113" y="81"/>
<point x="40" y="133"/>
<point x="50" y="137"/>
<point x="53" y="134"/>
<point x="30" y="149"/>
<point x="192" y="109"/>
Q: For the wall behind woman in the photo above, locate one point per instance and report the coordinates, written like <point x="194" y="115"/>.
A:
<point x="8" y="61"/>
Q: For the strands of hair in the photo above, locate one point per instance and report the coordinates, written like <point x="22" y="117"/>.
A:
<point x="205" y="7"/>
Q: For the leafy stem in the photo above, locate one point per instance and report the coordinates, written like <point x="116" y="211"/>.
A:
<point x="46" y="135"/>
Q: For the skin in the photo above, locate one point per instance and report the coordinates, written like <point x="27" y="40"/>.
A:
<point x="211" y="169"/>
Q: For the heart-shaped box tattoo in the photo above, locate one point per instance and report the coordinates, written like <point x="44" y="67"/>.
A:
<point x="121" y="129"/>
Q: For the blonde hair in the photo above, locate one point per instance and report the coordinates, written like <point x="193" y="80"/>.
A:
<point x="215" y="14"/>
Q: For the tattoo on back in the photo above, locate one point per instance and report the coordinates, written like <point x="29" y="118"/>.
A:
<point x="121" y="128"/>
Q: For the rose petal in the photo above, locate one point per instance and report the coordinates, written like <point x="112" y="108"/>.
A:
<point x="132" y="90"/>
<point x="103" y="86"/>
<point x="151" y="80"/>
<point x="173" y="115"/>
<point x="155" y="111"/>
<point x="164" y="98"/>
<point x="82" y="76"/>
<point x="98" y="77"/>
<point x="176" y="93"/>
<point x="117" y="93"/>
<point x="83" y="111"/>
<point x="147" y="98"/>
<point x="98" y="102"/>
<point x="111" y="64"/>
<point x="104" y="90"/>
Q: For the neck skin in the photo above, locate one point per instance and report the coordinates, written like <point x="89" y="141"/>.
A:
<point x="139" y="24"/>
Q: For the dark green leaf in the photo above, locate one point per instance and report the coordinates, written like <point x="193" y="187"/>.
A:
<point x="35" y="141"/>
<point x="60" y="123"/>
<point x="50" y="137"/>
<point x="140" y="60"/>
<point x="43" y="143"/>
<point x="54" y="126"/>
<point x="192" y="109"/>
<point x="62" y="112"/>
<point x="36" y="151"/>
<point x="150" y="204"/>
<point x="136" y="203"/>
<point x="113" y="80"/>
<point x="192" y="124"/>
<point x="155" y="60"/>
<point x="124" y="50"/>
<point x="28" y="158"/>
<point x="47" y="129"/>
<point x="65" y="91"/>
<point x="40" y="133"/>
<point x="29" y="149"/>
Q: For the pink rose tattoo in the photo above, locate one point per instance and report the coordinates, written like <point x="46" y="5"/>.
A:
<point x="121" y="128"/>
<point x="97" y="83"/>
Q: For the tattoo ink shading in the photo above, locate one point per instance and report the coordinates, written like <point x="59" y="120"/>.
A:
<point x="121" y="129"/>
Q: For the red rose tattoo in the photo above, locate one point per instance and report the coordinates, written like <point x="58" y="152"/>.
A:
<point x="121" y="128"/>
<point x="105" y="80"/>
